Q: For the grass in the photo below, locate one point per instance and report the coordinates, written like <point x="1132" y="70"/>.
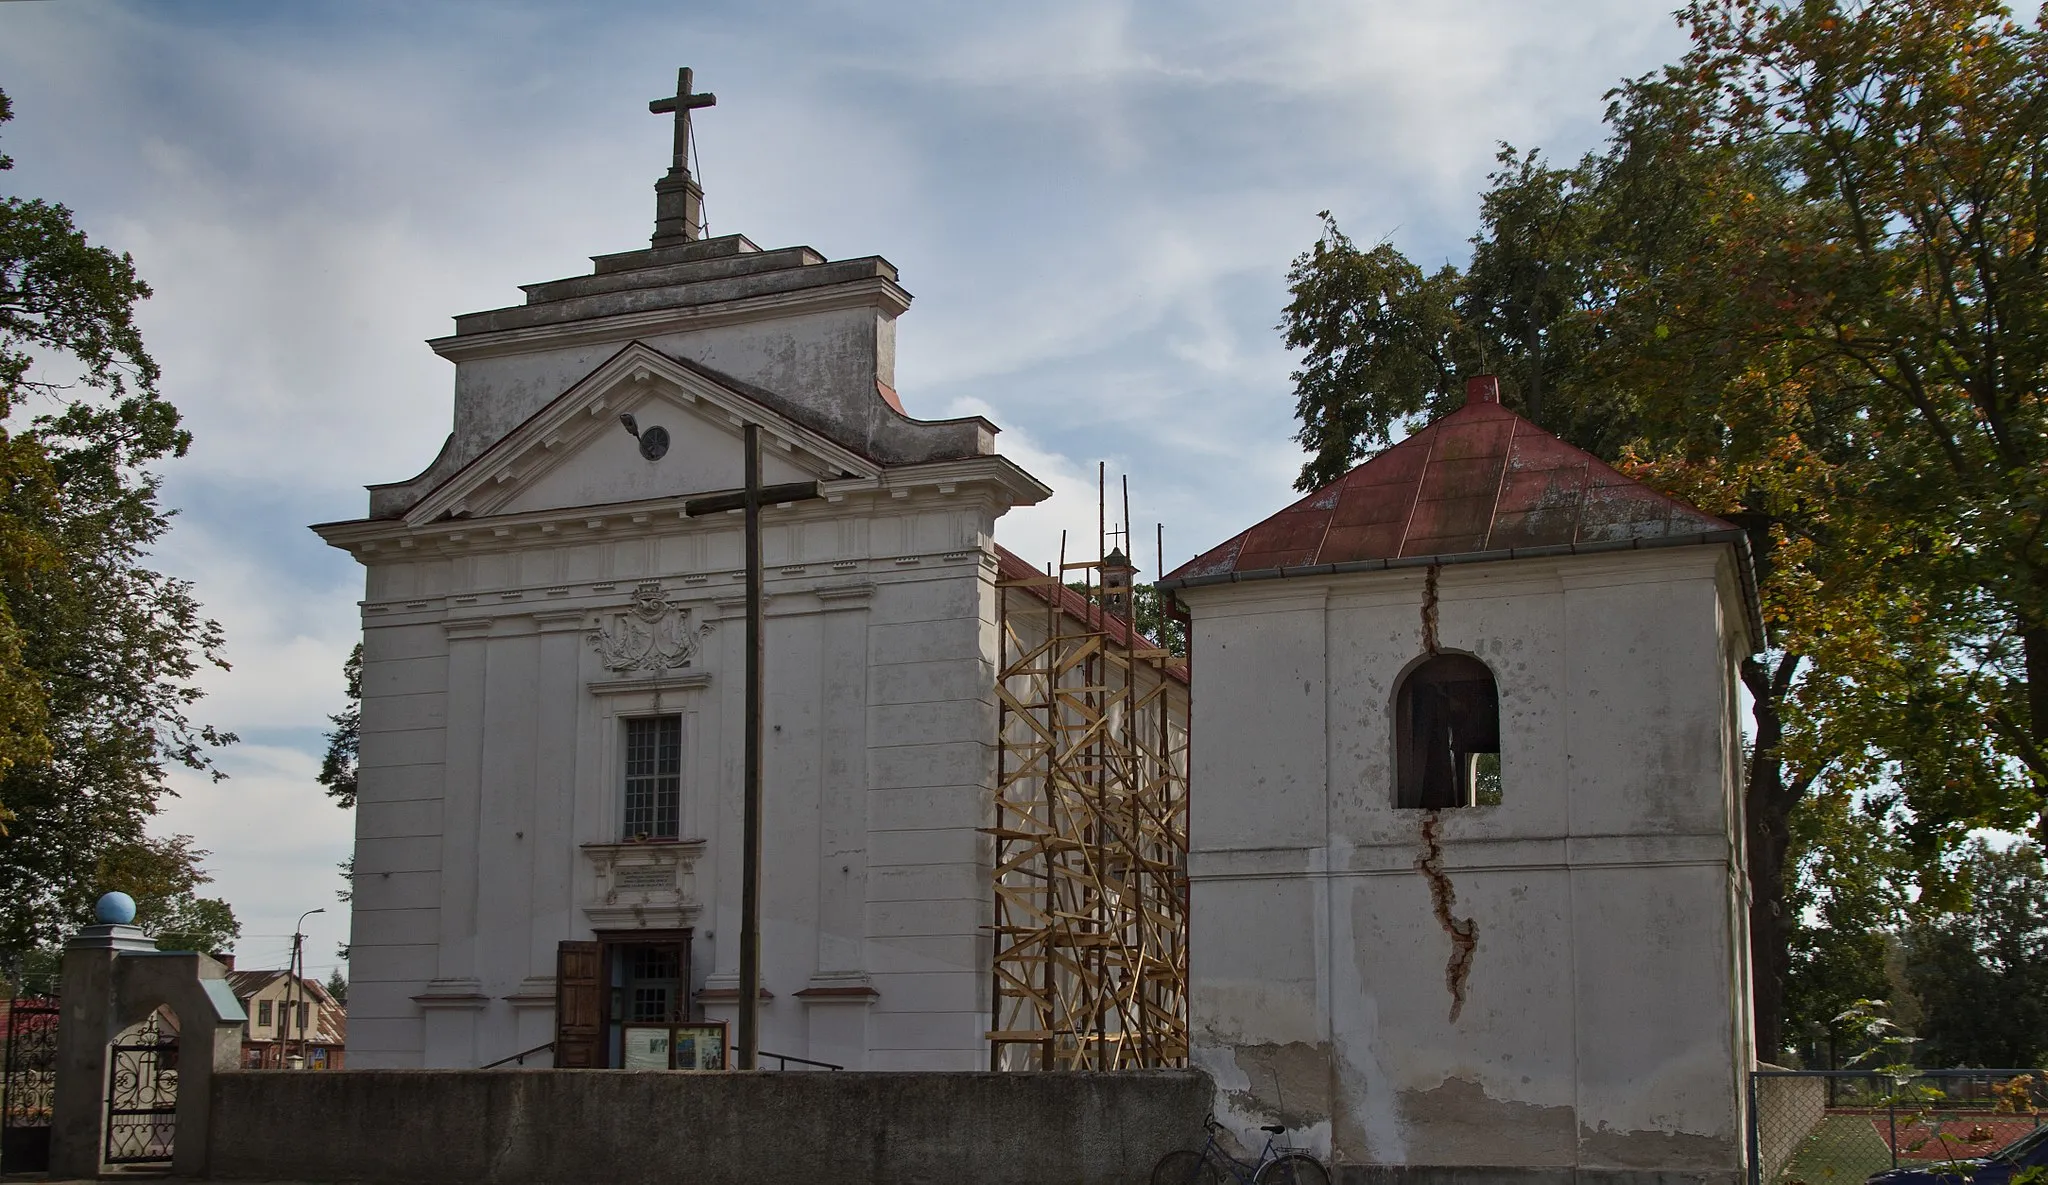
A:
<point x="1842" y="1150"/>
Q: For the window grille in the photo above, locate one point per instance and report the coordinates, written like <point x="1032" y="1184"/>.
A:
<point x="652" y="979"/>
<point x="654" y="777"/>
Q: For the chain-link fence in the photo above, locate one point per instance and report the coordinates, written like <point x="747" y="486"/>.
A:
<point x="1837" y="1127"/>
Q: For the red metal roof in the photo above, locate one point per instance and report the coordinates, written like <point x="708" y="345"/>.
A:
<point x="1480" y="479"/>
<point x="1011" y="566"/>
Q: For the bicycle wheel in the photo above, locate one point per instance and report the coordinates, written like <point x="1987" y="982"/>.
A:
<point x="1292" y="1168"/>
<point x="1182" y="1167"/>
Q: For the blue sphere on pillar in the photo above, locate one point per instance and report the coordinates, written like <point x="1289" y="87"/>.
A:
<point x="115" y="909"/>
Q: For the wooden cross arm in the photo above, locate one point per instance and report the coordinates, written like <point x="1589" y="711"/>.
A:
<point x="796" y="491"/>
<point x="684" y="102"/>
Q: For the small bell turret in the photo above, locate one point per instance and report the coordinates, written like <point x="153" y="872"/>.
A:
<point x="1117" y="572"/>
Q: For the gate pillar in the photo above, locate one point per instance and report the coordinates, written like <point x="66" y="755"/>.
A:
<point x="113" y="977"/>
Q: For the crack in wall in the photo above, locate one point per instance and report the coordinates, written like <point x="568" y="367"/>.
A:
<point x="1464" y="933"/>
<point x="1429" y="607"/>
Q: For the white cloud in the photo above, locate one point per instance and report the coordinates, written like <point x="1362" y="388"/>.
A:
<point x="286" y="641"/>
<point x="274" y="839"/>
<point x="1095" y="203"/>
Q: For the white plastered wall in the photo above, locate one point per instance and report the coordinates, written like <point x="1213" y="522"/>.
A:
<point x="490" y="753"/>
<point x="1603" y="1016"/>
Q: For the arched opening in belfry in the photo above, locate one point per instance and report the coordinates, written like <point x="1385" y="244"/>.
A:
<point x="1447" y="735"/>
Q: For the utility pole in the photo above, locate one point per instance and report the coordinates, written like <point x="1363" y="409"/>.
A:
<point x="751" y="500"/>
<point x="292" y="973"/>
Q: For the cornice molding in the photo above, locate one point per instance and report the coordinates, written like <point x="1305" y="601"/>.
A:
<point x="875" y="292"/>
<point x="458" y="994"/>
<point x="995" y="480"/>
<point x="551" y="435"/>
<point x="687" y="682"/>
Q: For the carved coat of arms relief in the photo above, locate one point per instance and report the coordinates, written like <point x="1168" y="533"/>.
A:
<point x="651" y="634"/>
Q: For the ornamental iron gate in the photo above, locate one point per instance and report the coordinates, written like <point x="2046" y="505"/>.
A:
<point x="142" y="1094"/>
<point x="28" y="1083"/>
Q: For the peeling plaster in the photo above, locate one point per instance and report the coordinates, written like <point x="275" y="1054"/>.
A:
<point x="1373" y="1110"/>
<point x="1459" y="1121"/>
<point x="1295" y="1076"/>
<point x="1607" y="1148"/>
<point x="1364" y="1089"/>
<point x="1464" y="932"/>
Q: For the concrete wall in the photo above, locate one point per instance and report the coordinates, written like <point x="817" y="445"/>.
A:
<point x="1601" y="1021"/>
<point x="1788" y="1109"/>
<point x="561" y="1127"/>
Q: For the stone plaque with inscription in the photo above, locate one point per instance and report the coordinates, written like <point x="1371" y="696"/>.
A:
<point x="644" y="878"/>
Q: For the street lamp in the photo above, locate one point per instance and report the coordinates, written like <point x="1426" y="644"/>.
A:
<point x="292" y="973"/>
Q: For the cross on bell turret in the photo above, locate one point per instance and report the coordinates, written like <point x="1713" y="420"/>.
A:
<point x="678" y="199"/>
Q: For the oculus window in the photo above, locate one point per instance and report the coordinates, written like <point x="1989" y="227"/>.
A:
<point x="1447" y="735"/>
<point x="654" y="778"/>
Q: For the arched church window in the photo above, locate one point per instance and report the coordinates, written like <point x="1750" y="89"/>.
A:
<point x="1447" y="735"/>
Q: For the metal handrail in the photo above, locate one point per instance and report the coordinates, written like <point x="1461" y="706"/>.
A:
<point x="782" y="1059"/>
<point x="785" y="1059"/>
<point x="519" y="1057"/>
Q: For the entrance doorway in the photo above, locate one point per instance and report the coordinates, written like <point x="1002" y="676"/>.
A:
<point x="142" y="1093"/>
<point x="637" y="980"/>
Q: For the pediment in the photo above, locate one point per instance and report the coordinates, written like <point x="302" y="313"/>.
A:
<point x="576" y="452"/>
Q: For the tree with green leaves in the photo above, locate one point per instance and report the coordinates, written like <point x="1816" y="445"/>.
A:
<point x="1980" y="965"/>
<point x="1905" y="285"/>
<point x="344" y="740"/>
<point x="164" y="877"/>
<point x="338" y="767"/>
<point x="98" y="651"/>
<point x="1801" y="286"/>
<point x="1850" y="877"/>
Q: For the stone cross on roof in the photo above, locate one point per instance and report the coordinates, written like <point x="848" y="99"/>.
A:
<point x="682" y="103"/>
<point x="678" y="199"/>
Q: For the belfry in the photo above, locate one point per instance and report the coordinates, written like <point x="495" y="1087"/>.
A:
<point x="1466" y="848"/>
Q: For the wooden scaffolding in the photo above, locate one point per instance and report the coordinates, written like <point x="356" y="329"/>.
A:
<point x="1090" y="870"/>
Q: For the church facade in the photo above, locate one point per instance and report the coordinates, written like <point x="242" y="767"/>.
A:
<point x="549" y="813"/>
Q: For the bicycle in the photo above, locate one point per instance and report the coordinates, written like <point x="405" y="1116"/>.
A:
<point x="1276" y="1165"/>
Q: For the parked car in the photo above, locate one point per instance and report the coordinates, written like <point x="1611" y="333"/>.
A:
<point x="1999" y="1168"/>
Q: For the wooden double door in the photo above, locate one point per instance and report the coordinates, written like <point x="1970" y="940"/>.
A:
<point x="620" y="978"/>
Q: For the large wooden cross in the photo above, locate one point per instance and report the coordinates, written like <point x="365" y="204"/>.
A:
<point x="682" y="103"/>
<point x="751" y="499"/>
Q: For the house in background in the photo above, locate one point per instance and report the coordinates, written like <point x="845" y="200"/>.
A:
<point x="289" y="1015"/>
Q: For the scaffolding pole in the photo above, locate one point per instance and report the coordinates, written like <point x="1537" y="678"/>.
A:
<point x="1090" y="834"/>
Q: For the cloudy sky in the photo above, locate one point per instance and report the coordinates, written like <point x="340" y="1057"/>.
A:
<point x="1094" y="203"/>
